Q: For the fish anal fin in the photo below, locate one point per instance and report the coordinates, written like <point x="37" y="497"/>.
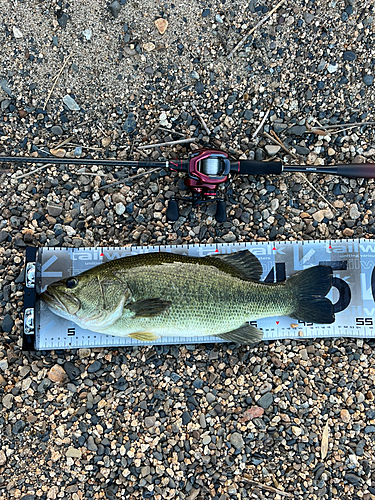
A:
<point x="247" y="264"/>
<point x="149" y="308"/>
<point x="144" y="336"/>
<point x="245" y="334"/>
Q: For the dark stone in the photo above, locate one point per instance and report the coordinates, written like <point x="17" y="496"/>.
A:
<point x="353" y="478"/>
<point x="273" y="233"/>
<point x="130" y="124"/>
<point x="28" y="497"/>
<point x="4" y="86"/>
<point x="360" y="447"/>
<point x="199" y="87"/>
<point x="336" y="189"/>
<point x="369" y="429"/>
<point x="206" y="13"/>
<point x="114" y="8"/>
<point x="198" y="383"/>
<point x="297" y="130"/>
<point x="72" y="370"/>
<point x="121" y="384"/>
<point x="349" y="55"/>
<point x="3" y="236"/>
<point x="279" y="127"/>
<point x="265" y="401"/>
<point x="18" y="427"/>
<point x="186" y="418"/>
<point x="368" y="80"/>
<point x="56" y="130"/>
<point x="149" y="70"/>
<point x="62" y="19"/>
<point x="21" y="277"/>
<point x="94" y="367"/>
<point x="248" y="114"/>
<point x="301" y="150"/>
<point x="245" y="217"/>
<point x="4" y="104"/>
<point x="7" y="324"/>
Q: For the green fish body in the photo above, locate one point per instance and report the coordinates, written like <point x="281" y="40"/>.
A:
<point x="154" y="295"/>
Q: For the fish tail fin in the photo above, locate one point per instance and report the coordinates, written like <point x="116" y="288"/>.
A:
<point x="309" y="288"/>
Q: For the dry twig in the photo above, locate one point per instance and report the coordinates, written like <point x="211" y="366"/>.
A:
<point x="33" y="171"/>
<point x="301" y="174"/>
<point x="267" y="488"/>
<point x="56" y="80"/>
<point x="201" y="119"/>
<point x="170" y="143"/>
<point x="261" y="124"/>
<point x="263" y="20"/>
<point x="126" y="179"/>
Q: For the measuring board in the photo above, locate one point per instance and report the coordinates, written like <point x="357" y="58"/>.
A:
<point x="353" y="291"/>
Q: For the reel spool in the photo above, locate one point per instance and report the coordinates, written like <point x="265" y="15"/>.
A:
<point x="210" y="167"/>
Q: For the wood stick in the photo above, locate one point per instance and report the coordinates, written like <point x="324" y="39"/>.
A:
<point x="170" y="143"/>
<point x="56" y="80"/>
<point x="171" y="131"/>
<point x="201" y="119"/>
<point x="356" y="124"/>
<point x="301" y="174"/>
<point x="267" y="488"/>
<point x="279" y="143"/>
<point x="239" y="45"/>
<point x="260" y="124"/>
<point x="126" y="179"/>
<point x="33" y="171"/>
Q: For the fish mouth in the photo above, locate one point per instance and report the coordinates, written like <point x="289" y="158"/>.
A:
<point x="61" y="301"/>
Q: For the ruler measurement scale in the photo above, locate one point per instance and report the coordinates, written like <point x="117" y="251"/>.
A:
<point x="358" y="274"/>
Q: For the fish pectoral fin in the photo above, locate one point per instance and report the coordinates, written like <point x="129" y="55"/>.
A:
<point x="245" y="334"/>
<point x="247" y="264"/>
<point x="144" y="336"/>
<point x="149" y="308"/>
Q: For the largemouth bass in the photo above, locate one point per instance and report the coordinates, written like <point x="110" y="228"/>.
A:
<point x="154" y="295"/>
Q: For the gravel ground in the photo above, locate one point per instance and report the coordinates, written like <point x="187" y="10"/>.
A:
<point x="194" y="422"/>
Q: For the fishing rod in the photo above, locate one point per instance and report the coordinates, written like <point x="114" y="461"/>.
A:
<point x="207" y="169"/>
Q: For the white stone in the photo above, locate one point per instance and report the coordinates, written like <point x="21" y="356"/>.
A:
<point x="272" y="149"/>
<point x="17" y="33"/>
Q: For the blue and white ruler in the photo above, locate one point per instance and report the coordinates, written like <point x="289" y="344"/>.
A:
<point x="353" y="291"/>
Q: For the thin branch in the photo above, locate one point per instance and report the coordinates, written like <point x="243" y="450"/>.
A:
<point x="65" y="141"/>
<point x="341" y="125"/>
<point x="239" y="45"/>
<point x="201" y="119"/>
<point x="301" y="174"/>
<point x="261" y="124"/>
<point x="279" y="143"/>
<point x="171" y="131"/>
<point x="56" y="80"/>
<point x="267" y="488"/>
<point x="170" y="143"/>
<point x="126" y="179"/>
<point x="33" y="171"/>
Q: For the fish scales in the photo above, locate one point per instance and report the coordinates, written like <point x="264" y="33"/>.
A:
<point x="205" y="300"/>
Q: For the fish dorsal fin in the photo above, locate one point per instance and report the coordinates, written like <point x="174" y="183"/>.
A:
<point x="244" y="262"/>
<point x="245" y="334"/>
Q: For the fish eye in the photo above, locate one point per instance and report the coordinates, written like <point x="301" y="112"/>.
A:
<point x="71" y="283"/>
